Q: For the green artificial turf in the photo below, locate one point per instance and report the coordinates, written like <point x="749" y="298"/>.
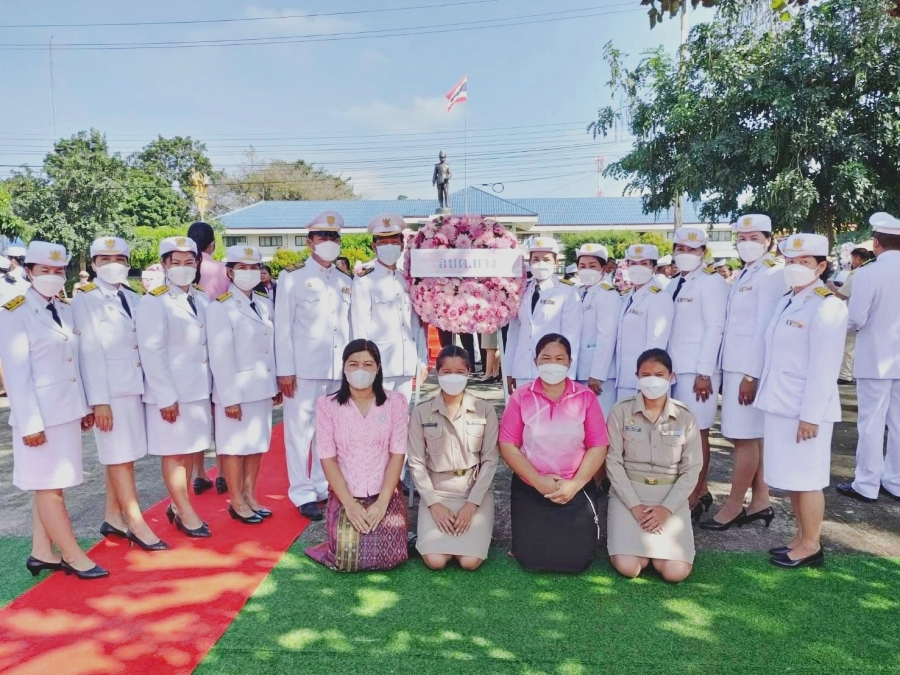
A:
<point x="15" y="579"/>
<point x="735" y="614"/>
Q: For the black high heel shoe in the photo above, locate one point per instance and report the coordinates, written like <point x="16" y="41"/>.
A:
<point x="263" y="512"/>
<point x="201" y="532"/>
<point x="158" y="546"/>
<point x="96" y="572"/>
<point x="201" y="485"/>
<point x="255" y="519"/>
<point x="817" y="559"/>
<point x="767" y="514"/>
<point x="707" y="501"/>
<point x="36" y="566"/>
<point x="779" y="551"/>
<point x="696" y="512"/>
<point x="170" y="514"/>
<point x="716" y="526"/>
<point x="221" y="485"/>
<point x="107" y="530"/>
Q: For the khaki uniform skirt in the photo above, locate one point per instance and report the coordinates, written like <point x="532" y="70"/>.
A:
<point x="453" y="492"/>
<point x="625" y="536"/>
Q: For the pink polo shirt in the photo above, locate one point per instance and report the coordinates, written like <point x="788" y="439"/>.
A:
<point x="213" y="277"/>
<point x="554" y="435"/>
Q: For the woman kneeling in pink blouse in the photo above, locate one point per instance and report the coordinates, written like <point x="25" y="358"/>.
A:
<point x="361" y="439"/>
<point x="554" y="438"/>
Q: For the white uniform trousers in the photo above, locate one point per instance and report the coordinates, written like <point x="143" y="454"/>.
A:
<point x="402" y="384"/>
<point x="127" y="441"/>
<point x="607" y="397"/>
<point x="307" y="484"/>
<point x="879" y="404"/>
<point x="52" y="466"/>
<point x="739" y="422"/>
<point x="847" y="364"/>
<point x="703" y="411"/>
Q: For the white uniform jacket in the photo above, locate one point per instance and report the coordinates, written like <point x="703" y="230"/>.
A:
<point x="12" y="286"/>
<point x="698" y="322"/>
<point x="241" y="347"/>
<point x="874" y="308"/>
<point x="644" y="323"/>
<point x="312" y="321"/>
<point x="602" y="305"/>
<point x="804" y="350"/>
<point x="108" y="346"/>
<point x="172" y="341"/>
<point x="752" y="298"/>
<point x="40" y="364"/>
<point x="382" y="312"/>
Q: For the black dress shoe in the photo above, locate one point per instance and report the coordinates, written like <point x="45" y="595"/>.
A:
<point x="221" y="485"/>
<point x="201" y="532"/>
<point x="96" y="572"/>
<point x="158" y="546"/>
<point x="767" y="514"/>
<point x="885" y="492"/>
<point x="707" y="501"/>
<point x="716" y="526"/>
<point x="36" y="566"/>
<point x="255" y="519"/>
<point x="170" y="514"/>
<point x="263" y="512"/>
<point x="696" y="512"/>
<point x="779" y="551"/>
<point x="847" y="490"/>
<point x="201" y="485"/>
<point x="817" y="559"/>
<point x="311" y="510"/>
<point x="107" y="530"/>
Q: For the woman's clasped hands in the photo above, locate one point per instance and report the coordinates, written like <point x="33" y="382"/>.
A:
<point x="453" y="524"/>
<point x="651" y="518"/>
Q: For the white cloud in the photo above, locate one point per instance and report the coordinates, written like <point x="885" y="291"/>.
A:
<point x="425" y="114"/>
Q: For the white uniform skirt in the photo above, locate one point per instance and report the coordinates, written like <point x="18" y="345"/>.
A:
<point x="789" y="465"/>
<point x="249" y="436"/>
<point x="127" y="442"/>
<point x="52" y="466"/>
<point x="739" y="422"/>
<point x="703" y="411"/>
<point x="191" y="432"/>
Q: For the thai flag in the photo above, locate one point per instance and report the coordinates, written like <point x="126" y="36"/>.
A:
<point x="458" y="93"/>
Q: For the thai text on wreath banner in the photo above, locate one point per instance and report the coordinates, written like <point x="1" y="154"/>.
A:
<point x="464" y="262"/>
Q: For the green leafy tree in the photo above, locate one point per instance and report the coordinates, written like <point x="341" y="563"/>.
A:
<point x="10" y="224"/>
<point x="149" y="201"/>
<point x="173" y="159"/>
<point x="284" y="258"/>
<point x="145" y="243"/>
<point x="616" y="242"/>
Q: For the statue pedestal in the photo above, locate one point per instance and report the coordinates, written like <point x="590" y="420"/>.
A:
<point x="443" y="211"/>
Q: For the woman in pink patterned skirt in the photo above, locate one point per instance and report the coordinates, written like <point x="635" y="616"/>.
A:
<point x="361" y="440"/>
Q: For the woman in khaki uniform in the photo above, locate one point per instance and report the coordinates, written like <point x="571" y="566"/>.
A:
<point x="653" y="464"/>
<point x="453" y="454"/>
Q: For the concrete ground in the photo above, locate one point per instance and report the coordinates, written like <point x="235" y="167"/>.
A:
<point x="849" y="525"/>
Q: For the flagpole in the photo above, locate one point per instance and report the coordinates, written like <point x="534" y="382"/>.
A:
<point x="466" y="146"/>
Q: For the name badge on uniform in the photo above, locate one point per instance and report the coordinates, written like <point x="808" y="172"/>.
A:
<point x="671" y="432"/>
<point x="745" y="288"/>
<point x="684" y="300"/>
<point x="631" y="427"/>
<point x="795" y="324"/>
<point x="590" y="346"/>
<point x="548" y="302"/>
<point x="636" y="312"/>
<point x="429" y="424"/>
<point x="478" y="421"/>
<point x="345" y="289"/>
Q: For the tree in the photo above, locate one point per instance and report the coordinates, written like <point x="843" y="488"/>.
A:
<point x="173" y="159"/>
<point x="10" y="224"/>
<point x="284" y="258"/>
<point x="802" y="120"/>
<point x="149" y="201"/>
<point x="616" y="242"/>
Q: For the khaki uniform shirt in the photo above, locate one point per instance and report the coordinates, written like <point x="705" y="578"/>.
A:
<point x="668" y="447"/>
<point x="438" y="444"/>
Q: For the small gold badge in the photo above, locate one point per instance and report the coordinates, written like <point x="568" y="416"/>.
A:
<point x="56" y="255"/>
<point x="330" y="220"/>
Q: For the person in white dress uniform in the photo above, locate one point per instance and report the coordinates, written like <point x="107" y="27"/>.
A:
<point x="752" y="298"/>
<point x="382" y="311"/>
<point x="549" y="305"/>
<point x="105" y="312"/>
<point x="48" y="412"/>
<point x="645" y="320"/>
<point x="11" y="285"/>
<point x="312" y="327"/>
<point x="241" y="333"/>
<point x="663" y="271"/>
<point x="875" y="317"/>
<point x="171" y="328"/>
<point x="798" y="393"/>
<point x="699" y="296"/>
<point x="601" y="303"/>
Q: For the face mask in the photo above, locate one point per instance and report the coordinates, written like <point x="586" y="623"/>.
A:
<point x="541" y="270"/>
<point x="750" y="251"/>
<point x="687" y="262"/>
<point x="653" y="387"/>
<point x="113" y="273"/>
<point x="796" y="275"/>
<point x="552" y="373"/>
<point x="639" y="274"/>
<point x="360" y="379"/>
<point x="389" y="254"/>
<point x="590" y="277"/>
<point x="452" y="384"/>
<point x="246" y="280"/>
<point x="181" y="276"/>
<point x="48" y="285"/>
<point x="328" y="250"/>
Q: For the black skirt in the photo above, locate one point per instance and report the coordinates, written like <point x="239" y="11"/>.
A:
<point x="548" y="537"/>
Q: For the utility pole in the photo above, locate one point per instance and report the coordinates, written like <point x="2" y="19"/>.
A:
<point x="684" y="37"/>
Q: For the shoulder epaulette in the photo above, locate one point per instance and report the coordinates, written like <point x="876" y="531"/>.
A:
<point x="870" y="260"/>
<point x="65" y="301"/>
<point x="824" y="292"/>
<point x="296" y="266"/>
<point x="567" y="282"/>
<point x="265" y="295"/>
<point x="654" y="289"/>
<point x="768" y="262"/>
<point x="607" y="286"/>
<point x="223" y="297"/>
<point x="87" y="288"/>
<point x="198" y="287"/>
<point x="159" y="290"/>
<point x="709" y="270"/>
<point x="366" y="271"/>
<point x="14" y="303"/>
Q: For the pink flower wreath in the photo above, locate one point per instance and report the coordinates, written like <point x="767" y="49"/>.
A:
<point x="468" y="304"/>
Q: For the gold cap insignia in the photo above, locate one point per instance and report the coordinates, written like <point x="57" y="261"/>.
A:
<point x="798" y="244"/>
<point x="330" y="220"/>
<point x="181" y="241"/>
<point x="639" y="250"/>
<point x="248" y="252"/>
<point x="110" y="243"/>
<point x="692" y="236"/>
<point x="386" y="222"/>
<point x="55" y="255"/>
<point x="748" y="221"/>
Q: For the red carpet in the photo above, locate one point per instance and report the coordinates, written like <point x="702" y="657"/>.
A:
<point x="156" y="612"/>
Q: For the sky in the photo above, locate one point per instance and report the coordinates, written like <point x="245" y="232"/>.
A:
<point x="357" y="92"/>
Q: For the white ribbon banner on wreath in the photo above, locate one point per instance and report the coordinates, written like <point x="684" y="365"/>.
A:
<point x="464" y="262"/>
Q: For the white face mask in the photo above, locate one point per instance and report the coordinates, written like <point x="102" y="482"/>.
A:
<point x="687" y="262"/>
<point x="590" y="277"/>
<point x="246" y="280"/>
<point x="48" y="285"/>
<point x="639" y="274"/>
<point x="552" y="373"/>
<point x="797" y="276"/>
<point x="360" y="379"/>
<point x="750" y="251"/>
<point x="113" y="273"/>
<point x="452" y="384"/>
<point x="388" y="254"/>
<point x="654" y="387"/>
<point x="328" y="250"/>
<point x="541" y="270"/>
<point x="181" y="276"/>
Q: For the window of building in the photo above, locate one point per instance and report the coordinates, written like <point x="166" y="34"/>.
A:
<point x="234" y="241"/>
<point x="300" y="240"/>
<point x="270" y="242"/>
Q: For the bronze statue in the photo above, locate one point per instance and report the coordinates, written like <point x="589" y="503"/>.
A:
<point x="441" y="178"/>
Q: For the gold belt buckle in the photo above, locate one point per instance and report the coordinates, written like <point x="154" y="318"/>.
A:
<point x="459" y="472"/>
<point x="650" y="480"/>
